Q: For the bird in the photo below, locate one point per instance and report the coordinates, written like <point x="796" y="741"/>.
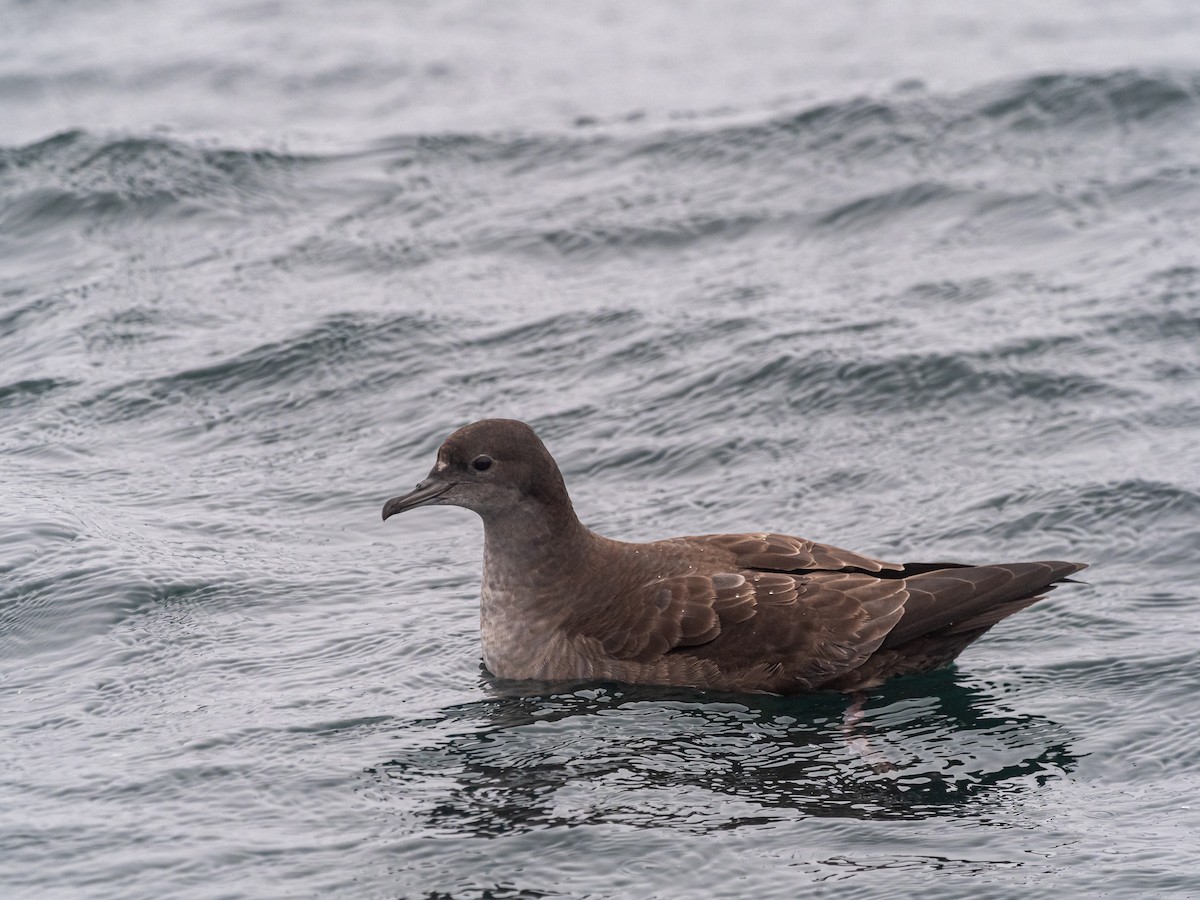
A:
<point x="742" y="613"/>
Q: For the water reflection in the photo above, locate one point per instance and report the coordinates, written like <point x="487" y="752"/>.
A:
<point x="665" y="757"/>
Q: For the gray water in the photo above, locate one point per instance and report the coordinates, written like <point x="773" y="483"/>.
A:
<point x="919" y="281"/>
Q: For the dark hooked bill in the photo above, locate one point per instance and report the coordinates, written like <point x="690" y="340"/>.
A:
<point x="421" y="494"/>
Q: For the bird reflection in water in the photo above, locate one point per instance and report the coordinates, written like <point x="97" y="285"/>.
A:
<point x="925" y="746"/>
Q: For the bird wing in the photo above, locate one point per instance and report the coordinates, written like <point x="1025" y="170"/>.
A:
<point x="784" y="553"/>
<point x="802" y="628"/>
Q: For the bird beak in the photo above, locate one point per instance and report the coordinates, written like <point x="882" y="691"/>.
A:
<point x="423" y="493"/>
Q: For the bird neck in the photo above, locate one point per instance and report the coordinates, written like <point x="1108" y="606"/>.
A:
<point x="535" y="536"/>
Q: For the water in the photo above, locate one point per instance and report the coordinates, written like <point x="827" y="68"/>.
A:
<point x="918" y="282"/>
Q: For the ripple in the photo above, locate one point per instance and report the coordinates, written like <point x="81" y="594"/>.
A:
<point x="653" y="758"/>
<point x="889" y="206"/>
<point x="1134" y="519"/>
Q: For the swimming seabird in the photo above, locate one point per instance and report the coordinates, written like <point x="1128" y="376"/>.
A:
<point x="732" y="612"/>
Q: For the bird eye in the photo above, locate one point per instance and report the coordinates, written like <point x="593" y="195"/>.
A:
<point x="481" y="463"/>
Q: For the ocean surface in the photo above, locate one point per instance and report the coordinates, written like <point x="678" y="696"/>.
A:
<point x="922" y="281"/>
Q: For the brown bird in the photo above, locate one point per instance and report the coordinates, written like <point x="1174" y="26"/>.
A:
<point x="730" y="612"/>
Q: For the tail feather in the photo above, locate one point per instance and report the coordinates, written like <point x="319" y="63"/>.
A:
<point x="962" y="600"/>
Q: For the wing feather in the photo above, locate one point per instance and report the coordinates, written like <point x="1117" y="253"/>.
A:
<point x="784" y="553"/>
<point x="803" y="628"/>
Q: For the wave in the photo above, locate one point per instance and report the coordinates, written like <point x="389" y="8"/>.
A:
<point x="824" y="382"/>
<point x="316" y="362"/>
<point x="872" y="126"/>
<point x="30" y="390"/>
<point x="1089" y="100"/>
<point x="80" y="175"/>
